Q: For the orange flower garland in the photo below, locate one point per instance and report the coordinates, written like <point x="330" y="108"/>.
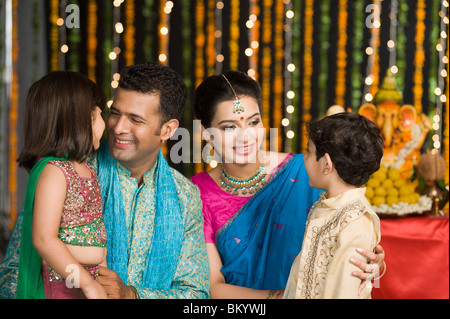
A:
<point x="445" y="133"/>
<point x="419" y="57"/>
<point x="211" y="39"/>
<point x="92" y="39"/>
<point x="375" y="57"/>
<point x="54" y="35"/>
<point x="254" y="37"/>
<point x="266" y="62"/>
<point x="278" y="73"/>
<point x="307" y="70"/>
<point x="341" y="53"/>
<point x="199" y="72"/>
<point x="233" y="43"/>
<point x="13" y="116"/>
<point x="129" y="33"/>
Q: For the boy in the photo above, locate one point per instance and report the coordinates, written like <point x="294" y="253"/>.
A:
<point x="343" y="151"/>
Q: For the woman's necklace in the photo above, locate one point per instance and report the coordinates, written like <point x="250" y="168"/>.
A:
<point x="248" y="185"/>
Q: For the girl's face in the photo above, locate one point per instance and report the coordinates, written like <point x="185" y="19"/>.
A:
<point x="98" y="126"/>
<point x="237" y="137"/>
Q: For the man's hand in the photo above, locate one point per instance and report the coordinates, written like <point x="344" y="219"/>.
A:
<point x="115" y="288"/>
<point x="369" y="271"/>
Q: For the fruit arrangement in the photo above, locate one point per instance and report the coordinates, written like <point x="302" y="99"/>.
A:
<point x="385" y="186"/>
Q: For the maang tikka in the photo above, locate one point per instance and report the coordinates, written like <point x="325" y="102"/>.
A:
<point x="238" y="107"/>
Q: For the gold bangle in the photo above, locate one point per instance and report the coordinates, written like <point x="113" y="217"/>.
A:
<point x="135" y="293"/>
<point x="384" y="271"/>
<point x="274" y="294"/>
<point x="271" y="294"/>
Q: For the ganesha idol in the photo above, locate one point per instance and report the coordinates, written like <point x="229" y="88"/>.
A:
<point x="403" y="128"/>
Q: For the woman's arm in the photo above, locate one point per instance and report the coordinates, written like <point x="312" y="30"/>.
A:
<point x="48" y="204"/>
<point x="220" y="289"/>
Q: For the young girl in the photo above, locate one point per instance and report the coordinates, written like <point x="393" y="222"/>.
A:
<point x="63" y="233"/>
<point x="343" y="151"/>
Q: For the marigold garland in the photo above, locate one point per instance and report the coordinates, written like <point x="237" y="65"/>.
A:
<point x="375" y="56"/>
<point x="92" y="39"/>
<point x="129" y="33"/>
<point x="277" y="86"/>
<point x="445" y="133"/>
<point x="13" y="117"/>
<point x="266" y="62"/>
<point x="199" y="71"/>
<point x="419" y="56"/>
<point x="254" y="34"/>
<point x="233" y="43"/>
<point x="211" y="38"/>
<point x="54" y="35"/>
<point x="307" y="70"/>
<point x="341" y="61"/>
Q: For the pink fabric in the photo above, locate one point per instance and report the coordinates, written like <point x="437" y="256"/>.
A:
<point x="218" y="205"/>
<point x="58" y="289"/>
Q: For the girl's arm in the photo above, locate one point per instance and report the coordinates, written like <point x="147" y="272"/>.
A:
<point x="48" y="205"/>
<point x="220" y="289"/>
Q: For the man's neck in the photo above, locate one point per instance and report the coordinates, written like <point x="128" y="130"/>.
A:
<point x="138" y="170"/>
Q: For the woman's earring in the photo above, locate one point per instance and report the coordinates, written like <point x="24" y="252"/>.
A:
<point x="206" y="154"/>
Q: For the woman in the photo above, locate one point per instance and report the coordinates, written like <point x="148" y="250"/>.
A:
<point x="255" y="202"/>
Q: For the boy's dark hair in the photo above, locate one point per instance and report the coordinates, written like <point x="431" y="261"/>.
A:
<point x="154" y="78"/>
<point x="58" y="118"/>
<point x="353" y="142"/>
<point x="215" y="89"/>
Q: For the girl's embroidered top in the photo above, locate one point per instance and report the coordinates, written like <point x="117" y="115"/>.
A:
<point x="82" y="216"/>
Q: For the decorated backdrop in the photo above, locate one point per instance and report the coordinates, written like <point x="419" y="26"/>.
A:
<point x="307" y="55"/>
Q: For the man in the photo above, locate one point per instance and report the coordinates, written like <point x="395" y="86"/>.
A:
<point x="153" y="214"/>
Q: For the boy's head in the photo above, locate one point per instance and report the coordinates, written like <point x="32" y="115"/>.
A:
<point x="353" y="143"/>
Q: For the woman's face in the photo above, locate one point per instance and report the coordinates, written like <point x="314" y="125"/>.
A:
<point x="237" y="137"/>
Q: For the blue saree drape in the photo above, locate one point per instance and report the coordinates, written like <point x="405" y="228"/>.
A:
<point x="260" y="242"/>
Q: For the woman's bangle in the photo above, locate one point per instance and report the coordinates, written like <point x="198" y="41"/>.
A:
<point x="274" y="294"/>
<point x="384" y="271"/>
<point x="135" y="293"/>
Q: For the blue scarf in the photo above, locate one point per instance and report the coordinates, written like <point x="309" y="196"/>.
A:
<point x="259" y="243"/>
<point x="167" y="239"/>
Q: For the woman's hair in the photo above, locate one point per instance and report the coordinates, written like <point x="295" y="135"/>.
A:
<point x="353" y="142"/>
<point x="154" y="78"/>
<point x="215" y="89"/>
<point x="58" y="119"/>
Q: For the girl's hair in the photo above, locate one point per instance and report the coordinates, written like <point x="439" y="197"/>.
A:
<point x="353" y="142"/>
<point x="58" y="118"/>
<point x="215" y="89"/>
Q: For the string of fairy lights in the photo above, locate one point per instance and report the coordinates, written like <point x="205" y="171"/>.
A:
<point x="441" y="97"/>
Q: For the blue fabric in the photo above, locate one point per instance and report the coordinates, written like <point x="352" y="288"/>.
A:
<point x="167" y="238"/>
<point x="260" y="242"/>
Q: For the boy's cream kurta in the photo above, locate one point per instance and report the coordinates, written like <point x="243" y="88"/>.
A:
<point x="334" y="229"/>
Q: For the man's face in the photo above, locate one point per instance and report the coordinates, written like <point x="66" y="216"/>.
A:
<point x="134" y="129"/>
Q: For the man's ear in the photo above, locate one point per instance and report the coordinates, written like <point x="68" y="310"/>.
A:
<point x="328" y="166"/>
<point x="168" y="129"/>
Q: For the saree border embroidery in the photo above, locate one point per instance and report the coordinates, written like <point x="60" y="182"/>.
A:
<point x="91" y="234"/>
<point x="289" y="158"/>
<point x="323" y="239"/>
